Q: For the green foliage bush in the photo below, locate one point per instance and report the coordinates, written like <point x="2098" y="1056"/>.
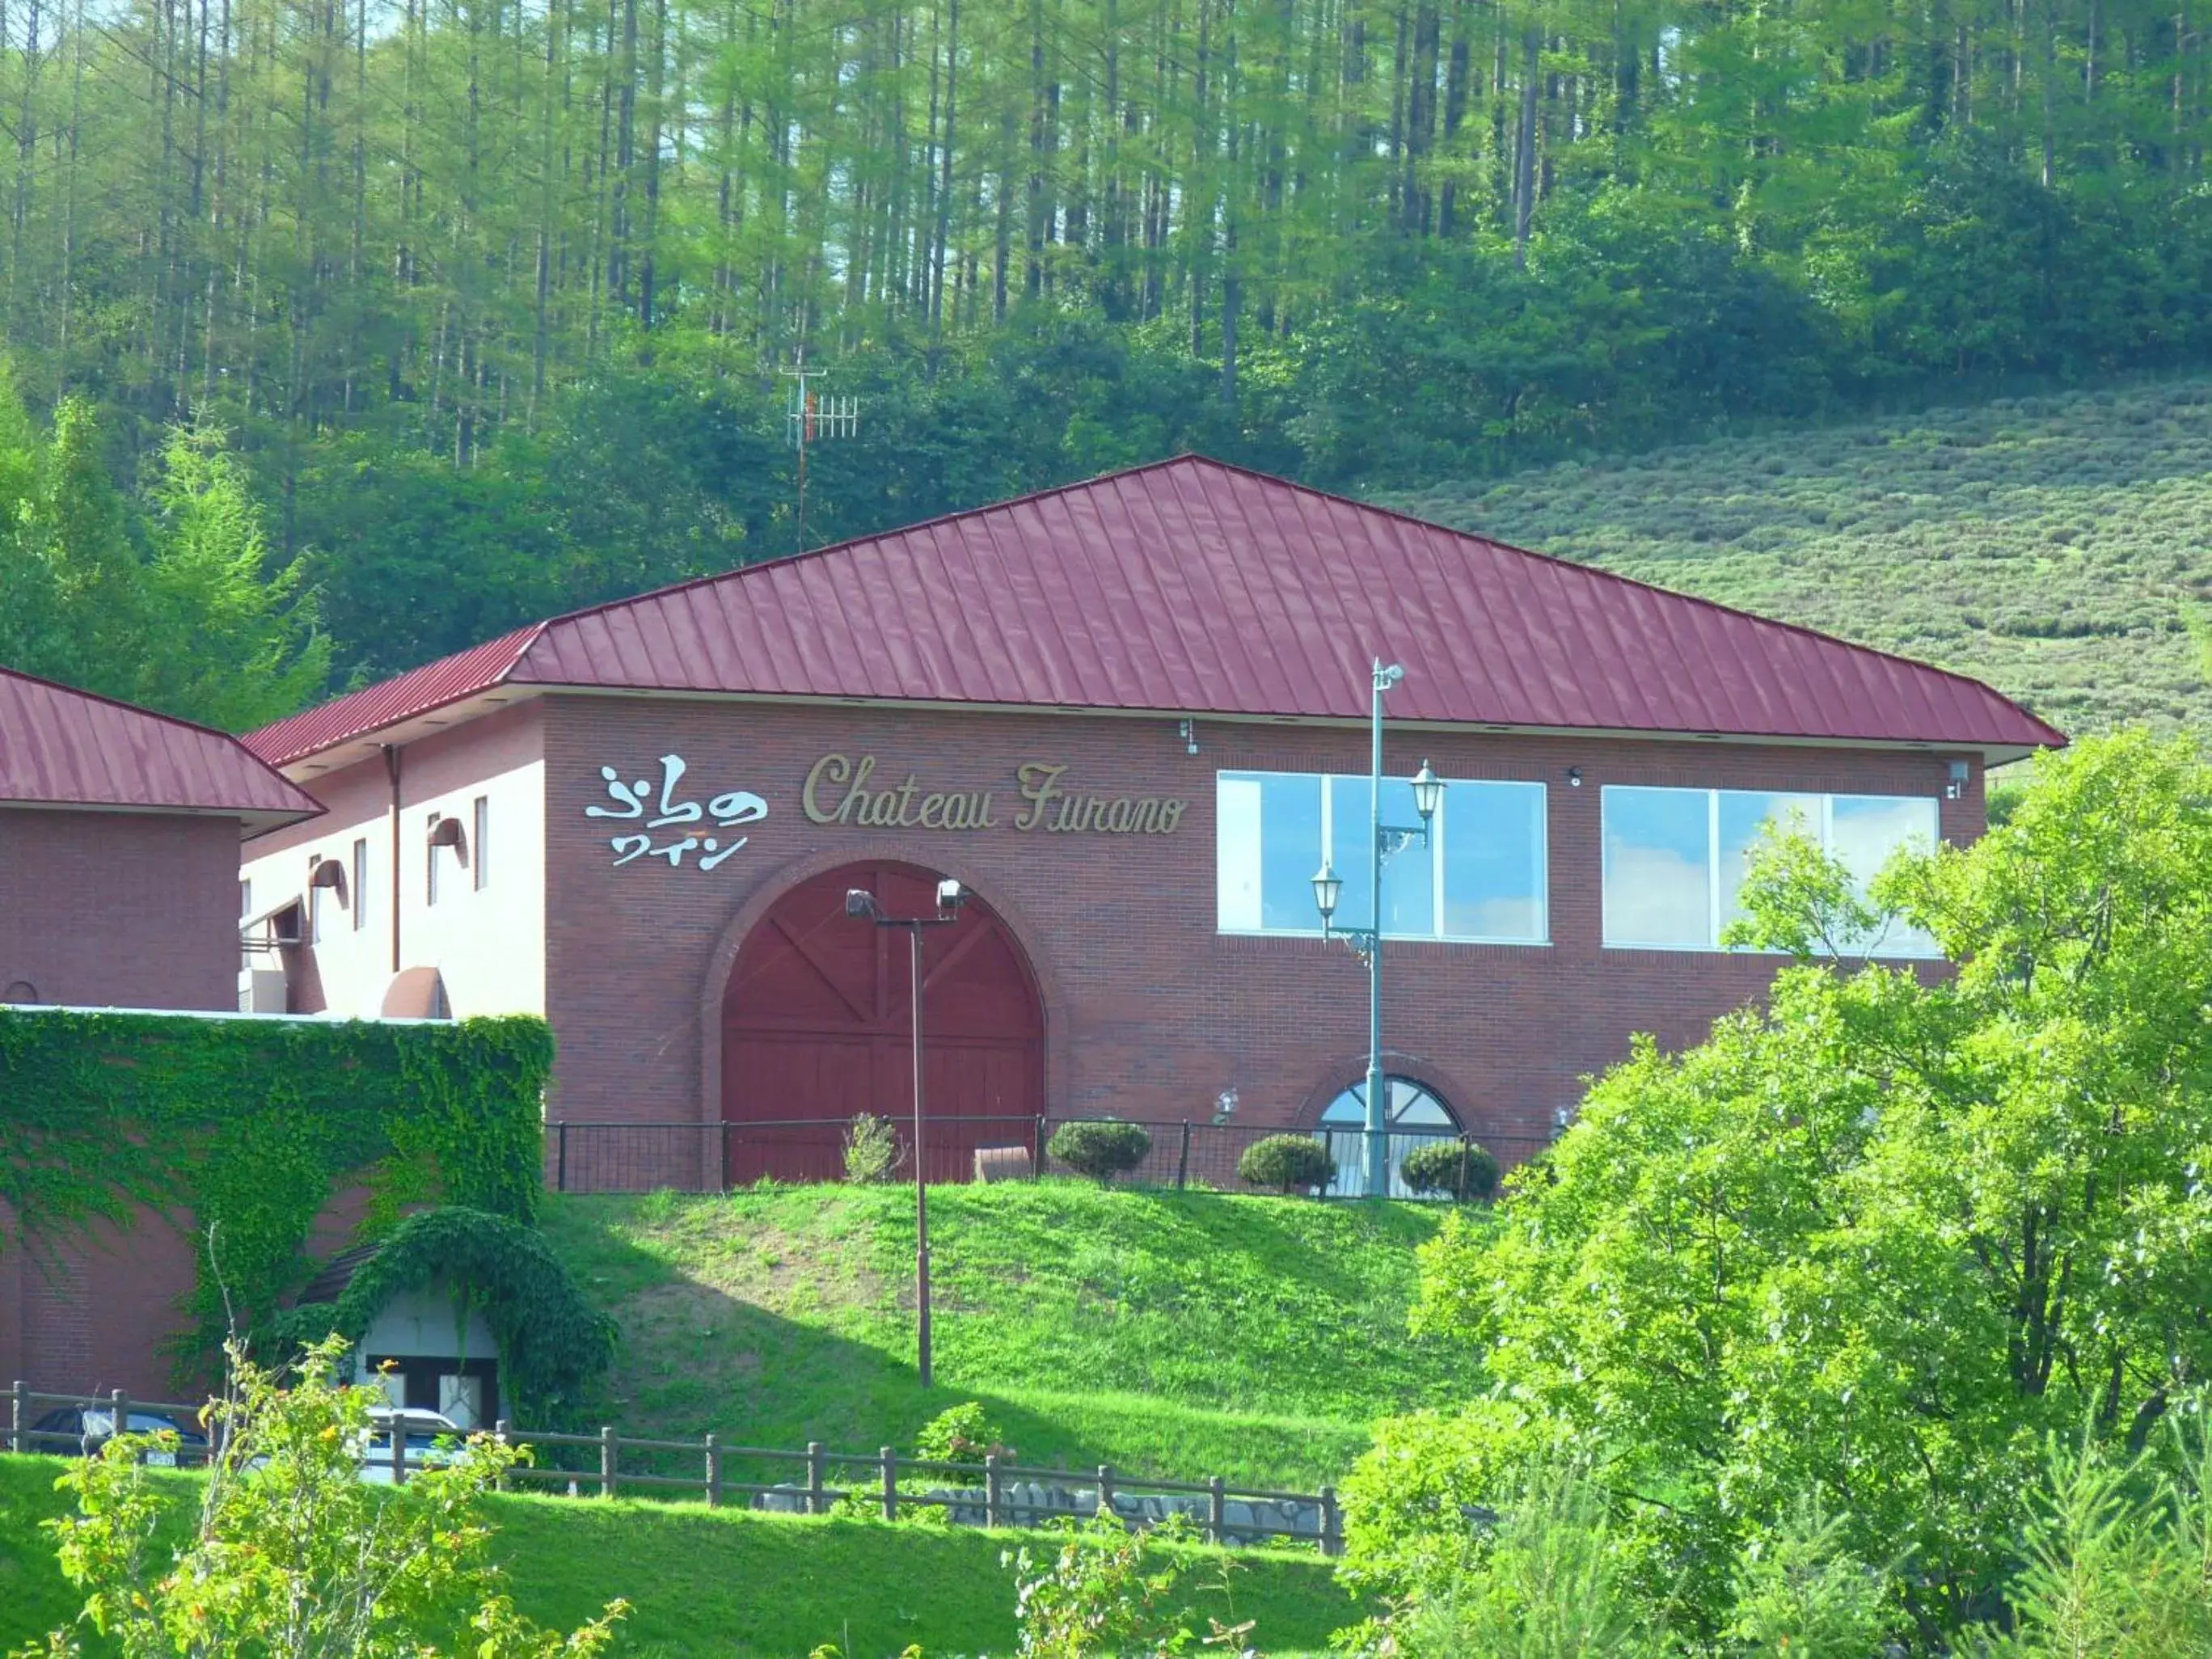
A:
<point x="1281" y="1163"/>
<point x="1865" y="1247"/>
<point x="1100" y="1150"/>
<point x="871" y="1150"/>
<point x="245" y="1128"/>
<point x="1463" y="1170"/>
<point x="960" y="1434"/>
<point x="290" y="1551"/>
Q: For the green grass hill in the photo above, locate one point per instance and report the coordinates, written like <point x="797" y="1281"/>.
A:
<point x="731" y="1583"/>
<point x="2058" y="547"/>
<point x="1180" y="1335"/>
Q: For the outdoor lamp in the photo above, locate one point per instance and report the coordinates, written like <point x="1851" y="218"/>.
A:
<point x="1428" y="792"/>
<point x="860" y="902"/>
<point x="1327" y="885"/>
<point x="951" y="895"/>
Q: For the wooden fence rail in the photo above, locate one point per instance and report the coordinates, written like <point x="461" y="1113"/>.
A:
<point x="987" y="1489"/>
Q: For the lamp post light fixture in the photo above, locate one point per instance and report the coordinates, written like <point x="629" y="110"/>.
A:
<point x="1366" y="943"/>
<point x="860" y="903"/>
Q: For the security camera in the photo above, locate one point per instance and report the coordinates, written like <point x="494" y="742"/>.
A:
<point x="951" y="895"/>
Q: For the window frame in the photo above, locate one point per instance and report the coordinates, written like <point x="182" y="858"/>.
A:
<point x="1439" y="836"/>
<point x="359" y="897"/>
<point x="480" y="814"/>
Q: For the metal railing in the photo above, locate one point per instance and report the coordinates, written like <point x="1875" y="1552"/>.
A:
<point x="995" y="1491"/>
<point x="637" y="1157"/>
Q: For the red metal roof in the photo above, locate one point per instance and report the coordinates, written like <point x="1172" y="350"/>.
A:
<point x="390" y="702"/>
<point x="1191" y="587"/>
<point x="59" y="746"/>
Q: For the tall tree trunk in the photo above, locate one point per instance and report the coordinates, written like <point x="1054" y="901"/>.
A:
<point x="1524" y="146"/>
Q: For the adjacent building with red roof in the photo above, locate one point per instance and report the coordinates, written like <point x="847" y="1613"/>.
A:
<point x="118" y="850"/>
<point x="120" y="833"/>
<point x="1130" y="717"/>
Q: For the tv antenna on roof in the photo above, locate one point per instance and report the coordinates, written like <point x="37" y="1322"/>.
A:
<point x="810" y="416"/>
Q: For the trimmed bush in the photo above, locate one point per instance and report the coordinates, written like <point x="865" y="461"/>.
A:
<point x="1101" y="1151"/>
<point x="871" y="1150"/>
<point x="1460" y="1170"/>
<point x="1285" y="1162"/>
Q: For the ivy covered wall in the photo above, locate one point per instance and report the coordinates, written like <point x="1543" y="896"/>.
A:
<point x="242" y="1129"/>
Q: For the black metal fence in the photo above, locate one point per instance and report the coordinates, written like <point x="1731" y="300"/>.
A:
<point x="992" y="1492"/>
<point x="636" y="1158"/>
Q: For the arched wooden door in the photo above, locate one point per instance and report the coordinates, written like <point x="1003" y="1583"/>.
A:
<point x="816" y="1030"/>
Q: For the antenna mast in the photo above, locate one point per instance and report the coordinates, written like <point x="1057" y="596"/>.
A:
<point x="812" y="415"/>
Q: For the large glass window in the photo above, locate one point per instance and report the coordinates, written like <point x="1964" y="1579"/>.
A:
<point x="1480" y="878"/>
<point x="1676" y="858"/>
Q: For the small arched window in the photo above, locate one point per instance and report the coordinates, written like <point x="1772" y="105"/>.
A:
<point x="1414" y="1115"/>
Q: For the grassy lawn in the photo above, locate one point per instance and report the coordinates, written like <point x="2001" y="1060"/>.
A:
<point x="730" y="1582"/>
<point x="1176" y="1335"/>
<point x="2053" y="546"/>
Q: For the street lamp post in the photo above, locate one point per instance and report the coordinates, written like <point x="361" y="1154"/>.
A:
<point x="860" y="903"/>
<point x="1366" y="943"/>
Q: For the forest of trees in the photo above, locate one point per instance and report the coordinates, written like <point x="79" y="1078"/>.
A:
<point x="490" y="296"/>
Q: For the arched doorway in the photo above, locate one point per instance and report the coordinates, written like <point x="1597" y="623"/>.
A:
<point x="815" y="1030"/>
<point x="1412" y="1113"/>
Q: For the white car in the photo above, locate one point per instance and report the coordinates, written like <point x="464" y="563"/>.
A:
<point x="419" y="1430"/>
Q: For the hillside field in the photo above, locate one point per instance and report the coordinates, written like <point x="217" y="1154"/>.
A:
<point x="1181" y="1335"/>
<point x="737" y="1584"/>
<point x="2058" y="547"/>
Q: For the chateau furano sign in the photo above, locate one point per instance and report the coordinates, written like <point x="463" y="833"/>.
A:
<point x="841" y="790"/>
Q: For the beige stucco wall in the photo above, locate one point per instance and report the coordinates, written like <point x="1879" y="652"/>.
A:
<point x="487" y="943"/>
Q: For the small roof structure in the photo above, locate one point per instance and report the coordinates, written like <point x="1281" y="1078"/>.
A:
<point x="60" y="747"/>
<point x="1189" y="586"/>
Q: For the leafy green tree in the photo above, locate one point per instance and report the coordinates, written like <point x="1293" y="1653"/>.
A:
<point x="182" y="608"/>
<point x="2114" y="1551"/>
<point x="232" y="639"/>
<point x="291" y="1554"/>
<point x="71" y="568"/>
<point x="1870" y="1245"/>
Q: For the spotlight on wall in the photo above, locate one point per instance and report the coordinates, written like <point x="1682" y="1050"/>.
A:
<point x="1574" y="777"/>
<point x="1957" y="787"/>
<point x="1189" y="729"/>
<point x="951" y="895"/>
<point x="860" y="902"/>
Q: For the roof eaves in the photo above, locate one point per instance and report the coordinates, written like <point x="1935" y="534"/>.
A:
<point x="527" y="639"/>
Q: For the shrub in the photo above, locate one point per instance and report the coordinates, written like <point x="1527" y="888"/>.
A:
<point x="1101" y="1151"/>
<point x="1458" y="1168"/>
<point x="285" y="1549"/>
<point x="871" y="1150"/>
<point x="1282" y="1162"/>
<point x="960" y="1434"/>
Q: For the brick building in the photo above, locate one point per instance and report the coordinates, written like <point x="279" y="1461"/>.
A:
<point x="1130" y="718"/>
<point x="119" y="834"/>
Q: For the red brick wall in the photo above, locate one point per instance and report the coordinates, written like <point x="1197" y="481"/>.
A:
<point x="1151" y="1013"/>
<point x="124" y="909"/>
<point x="88" y="1313"/>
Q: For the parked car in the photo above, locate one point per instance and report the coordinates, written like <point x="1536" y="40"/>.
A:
<point x="80" y="1431"/>
<point x="421" y="1431"/>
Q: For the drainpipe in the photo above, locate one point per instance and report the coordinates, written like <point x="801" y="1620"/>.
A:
<point x="391" y="771"/>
